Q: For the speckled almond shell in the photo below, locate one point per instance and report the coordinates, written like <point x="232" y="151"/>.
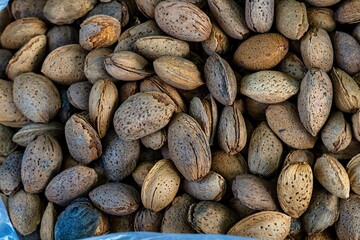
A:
<point x="291" y="18"/>
<point x="99" y="31"/>
<point x="82" y="139"/>
<point x="155" y="140"/>
<point x="322" y="212"/>
<point x="65" y="65"/>
<point x="10" y="114"/>
<point x="294" y="188"/>
<point x="178" y="72"/>
<point x="25" y="211"/>
<point x="315" y="100"/>
<point x="262" y="51"/>
<point x="70" y="184"/>
<point x="299" y="156"/>
<point x="153" y="47"/>
<point x="348" y="12"/>
<point x="259" y="15"/>
<point x="293" y="66"/>
<point x="220" y="79"/>
<point x="28" y="58"/>
<point x="231" y="131"/>
<point x="36" y="97"/>
<point x="332" y="176"/>
<point x="265" y="151"/>
<point x="284" y="121"/>
<point x="211" y="217"/>
<point x="177" y="19"/>
<point x="141" y="171"/>
<point x="160" y="186"/>
<point x="10" y="173"/>
<point x="120" y="157"/>
<point x="348" y="225"/>
<point x="78" y="95"/>
<point x="218" y="42"/>
<point x="66" y="12"/>
<point x="211" y="188"/>
<point x="116" y="198"/>
<point x="228" y="166"/>
<point x="316" y="49"/>
<point x="231" y="18"/>
<point x="189" y="148"/>
<point x="59" y="36"/>
<point x="143" y="114"/>
<point x="19" y="32"/>
<point x="264" y="225"/>
<point x="41" y="162"/>
<point x="254" y="192"/>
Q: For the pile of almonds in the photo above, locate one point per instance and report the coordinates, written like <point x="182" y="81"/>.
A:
<point x="237" y="117"/>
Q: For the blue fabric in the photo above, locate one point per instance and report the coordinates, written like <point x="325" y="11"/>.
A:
<point x="3" y="4"/>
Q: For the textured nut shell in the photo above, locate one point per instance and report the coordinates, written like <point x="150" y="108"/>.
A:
<point x="147" y="7"/>
<point x="211" y="217"/>
<point x="82" y="139"/>
<point x="27" y="8"/>
<point x="154" y="83"/>
<point x="262" y="51"/>
<point x="322" y="3"/>
<point x="148" y="221"/>
<point x="128" y="89"/>
<point x="32" y="130"/>
<point x="346" y="91"/>
<point x="70" y="184"/>
<point x="353" y="170"/>
<point x="94" y="66"/>
<point x="99" y="31"/>
<point x="177" y="19"/>
<point x="299" y="156"/>
<point x="211" y="188"/>
<point x="65" y="65"/>
<point x="10" y="173"/>
<point x="294" y="188"/>
<point x="325" y="235"/>
<point x="347" y="227"/>
<point x="146" y="112"/>
<point x="283" y="119"/>
<point x="346" y="51"/>
<point x="175" y="216"/>
<point x="265" y="151"/>
<point x="129" y="37"/>
<point x="332" y="176"/>
<point x="228" y="166"/>
<point x="153" y="47"/>
<point x="41" y="162"/>
<point x="348" y="12"/>
<point x="28" y="58"/>
<point x="141" y="171"/>
<point x="189" y="148"/>
<point x="30" y="90"/>
<point x="116" y="198"/>
<point x="7" y="146"/>
<point x="218" y="42"/>
<point x="25" y="211"/>
<point x="268" y="86"/>
<point x="19" y="32"/>
<point x="10" y="114"/>
<point x="259" y="15"/>
<point x="315" y="100"/>
<point x="154" y="140"/>
<point x="293" y="66"/>
<point x="127" y="66"/>
<point x="66" y="12"/>
<point x="291" y="18"/>
<point x="231" y="18"/>
<point x="220" y="79"/>
<point x="103" y="101"/>
<point x="316" y="49"/>
<point x="263" y="225"/>
<point x="59" y="36"/>
<point x="48" y="220"/>
<point x="78" y="95"/>
<point x="119" y="157"/>
<point x="322" y="212"/>
<point x="336" y="133"/>
<point x="160" y="186"/>
<point x="231" y="132"/>
<point x="178" y="72"/>
<point x="321" y="18"/>
<point x="355" y="119"/>
<point x="254" y="192"/>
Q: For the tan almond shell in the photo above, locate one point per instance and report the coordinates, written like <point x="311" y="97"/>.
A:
<point x="353" y="170"/>
<point x="48" y="221"/>
<point x="228" y="166"/>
